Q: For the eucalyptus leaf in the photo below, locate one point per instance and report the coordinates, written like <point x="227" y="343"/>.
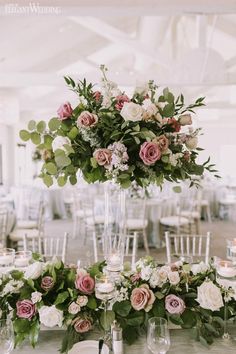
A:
<point x="35" y="138"/>
<point x="41" y="126"/>
<point x="61" y="181"/>
<point x="54" y="124"/>
<point x="48" y="180"/>
<point x="24" y="135"/>
<point x="51" y="168"/>
<point x="31" y="125"/>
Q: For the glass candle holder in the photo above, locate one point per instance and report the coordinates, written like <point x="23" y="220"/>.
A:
<point x="104" y="287"/>
<point x="7" y="256"/>
<point x="226" y="269"/>
<point x="22" y="259"/>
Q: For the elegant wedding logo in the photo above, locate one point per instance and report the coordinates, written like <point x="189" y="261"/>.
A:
<point x="32" y="8"/>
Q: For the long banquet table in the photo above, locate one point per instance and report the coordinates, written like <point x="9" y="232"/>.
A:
<point x="181" y="342"/>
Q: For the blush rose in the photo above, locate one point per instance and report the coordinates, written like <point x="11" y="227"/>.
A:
<point x="87" y="120"/>
<point x="82" y="325"/>
<point x="142" y="298"/>
<point x="103" y="157"/>
<point x="150" y="153"/>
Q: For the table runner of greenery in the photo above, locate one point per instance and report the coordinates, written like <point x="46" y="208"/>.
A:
<point x="52" y="294"/>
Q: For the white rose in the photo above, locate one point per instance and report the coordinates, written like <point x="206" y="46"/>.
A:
<point x="36" y="296"/>
<point x="59" y="142"/>
<point x="191" y="143"/>
<point x="199" y="268"/>
<point x="150" y="108"/>
<point x="209" y="296"/>
<point x="174" y="278"/>
<point x="34" y="270"/>
<point x="82" y="300"/>
<point x="131" y="111"/>
<point x="73" y="308"/>
<point x="50" y="316"/>
<point x="185" y="119"/>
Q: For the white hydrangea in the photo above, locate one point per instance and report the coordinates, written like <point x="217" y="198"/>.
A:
<point x="146" y="272"/>
<point x="155" y="279"/>
<point x="119" y="156"/>
<point x="174" y="159"/>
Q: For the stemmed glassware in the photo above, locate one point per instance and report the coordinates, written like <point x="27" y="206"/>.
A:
<point x="105" y="290"/>
<point x="158" y="337"/>
<point x="6" y="336"/>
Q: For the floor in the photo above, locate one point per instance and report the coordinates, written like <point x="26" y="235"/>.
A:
<point x="220" y="230"/>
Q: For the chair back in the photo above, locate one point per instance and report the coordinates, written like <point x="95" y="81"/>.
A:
<point x="48" y="246"/>
<point x="3" y="226"/>
<point x="127" y="244"/>
<point x="187" y="245"/>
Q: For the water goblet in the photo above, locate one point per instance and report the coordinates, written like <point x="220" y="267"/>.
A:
<point x="158" y="337"/>
<point x="6" y="336"/>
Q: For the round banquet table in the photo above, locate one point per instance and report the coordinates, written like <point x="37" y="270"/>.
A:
<point x="181" y="342"/>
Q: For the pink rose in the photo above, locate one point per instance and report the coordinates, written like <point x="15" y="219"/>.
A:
<point x="97" y="95"/>
<point x="25" y="309"/>
<point x="47" y="283"/>
<point x="150" y="153"/>
<point x="65" y="111"/>
<point x="142" y="298"/>
<point x="103" y="157"/>
<point x="85" y="284"/>
<point x="174" y="124"/>
<point x="163" y="142"/>
<point x="174" y="304"/>
<point x="82" y="325"/>
<point x="87" y="120"/>
<point x="120" y="100"/>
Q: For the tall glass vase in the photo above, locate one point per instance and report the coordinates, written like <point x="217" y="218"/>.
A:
<point x="114" y="223"/>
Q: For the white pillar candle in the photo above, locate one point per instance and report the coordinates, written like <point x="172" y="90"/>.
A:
<point x="105" y="288"/>
<point x="21" y="262"/>
<point x="6" y="260"/>
<point x="226" y="269"/>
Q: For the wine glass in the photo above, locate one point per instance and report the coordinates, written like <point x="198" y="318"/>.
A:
<point x="158" y="337"/>
<point x="6" y="336"/>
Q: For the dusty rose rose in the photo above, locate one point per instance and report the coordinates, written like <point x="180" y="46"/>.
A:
<point x="25" y="309"/>
<point x="174" y="304"/>
<point x="97" y="95"/>
<point x="47" y="283"/>
<point x="64" y="111"/>
<point x="85" y="284"/>
<point x="103" y="157"/>
<point x="150" y="153"/>
<point x="82" y="325"/>
<point x="87" y="120"/>
<point x="174" y="124"/>
<point x="162" y="142"/>
<point x="120" y="100"/>
<point x="142" y="298"/>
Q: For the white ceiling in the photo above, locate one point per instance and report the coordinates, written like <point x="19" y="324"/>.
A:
<point x="189" y="45"/>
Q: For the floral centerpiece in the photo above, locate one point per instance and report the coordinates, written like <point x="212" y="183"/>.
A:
<point x="147" y="137"/>
<point x="53" y="295"/>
